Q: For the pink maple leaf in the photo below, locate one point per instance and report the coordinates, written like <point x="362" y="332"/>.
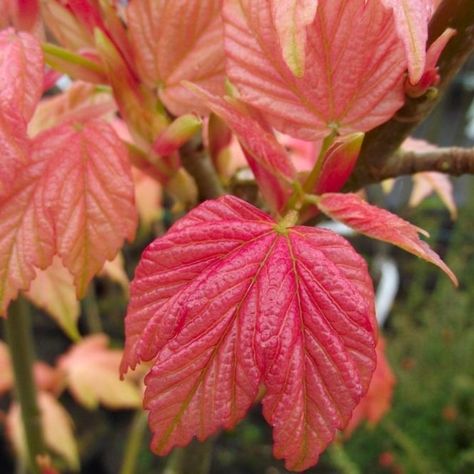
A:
<point x="354" y="66"/>
<point x="229" y="300"/>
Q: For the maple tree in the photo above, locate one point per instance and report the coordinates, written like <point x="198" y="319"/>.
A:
<point x="237" y="302"/>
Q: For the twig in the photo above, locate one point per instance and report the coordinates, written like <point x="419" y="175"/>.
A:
<point x="20" y="342"/>
<point x="454" y="161"/>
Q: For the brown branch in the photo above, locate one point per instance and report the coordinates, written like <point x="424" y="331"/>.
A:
<point x="453" y="161"/>
<point x="198" y="164"/>
<point x="383" y="142"/>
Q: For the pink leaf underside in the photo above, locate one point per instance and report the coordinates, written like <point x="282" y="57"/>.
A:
<point x="353" y="77"/>
<point x="21" y="72"/>
<point x="412" y="18"/>
<point x="290" y="18"/>
<point x="224" y="302"/>
<point x="268" y="160"/>
<point x="380" y="224"/>
<point x="175" y="40"/>
<point x="74" y="198"/>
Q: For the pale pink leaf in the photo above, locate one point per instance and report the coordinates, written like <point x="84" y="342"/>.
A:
<point x="89" y="195"/>
<point x="21" y="72"/>
<point x="412" y="18"/>
<point x="92" y="375"/>
<point x="57" y="430"/>
<point x="175" y="40"/>
<point x="228" y="300"/>
<point x="291" y="17"/>
<point x="353" y="78"/>
<point x="266" y="157"/>
<point x="74" y="198"/>
<point x="53" y="291"/>
<point x="148" y="198"/>
<point x="80" y="103"/>
<point x="26" y="233"/>
<point x="426" y="183"/>
<point x="380" y="224"/>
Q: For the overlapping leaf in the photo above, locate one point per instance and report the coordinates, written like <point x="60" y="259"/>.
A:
<point x="175" y="40"/>
<point x="412" y="18"/>
<point x="266" y="157"/>
<point x="74" y="197"/>
<point x="91" y="375"/>
<point x="228" y="300"/>
<point x="354" y="64"/>
<point x="291" y="18"/>
<point x="380" y="224"/>
<point x="21" y="72"/>
<point x="378" y="399"/>
<point x="21" y="78"/>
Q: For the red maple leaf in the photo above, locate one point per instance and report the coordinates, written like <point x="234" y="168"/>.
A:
<point x="228" y="301"/>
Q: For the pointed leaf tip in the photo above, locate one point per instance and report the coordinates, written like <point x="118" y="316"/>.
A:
<point x="223" y="303"/>
<point x="380" y="224"/>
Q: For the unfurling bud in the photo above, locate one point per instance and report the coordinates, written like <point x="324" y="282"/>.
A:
<point x="177" y="134"/>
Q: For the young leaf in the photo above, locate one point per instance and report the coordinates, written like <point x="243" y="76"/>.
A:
<point x="228" y="300"/>
<point x="21" y="72"/>
<point x="425" y="183"/>
<point x="266" y="157"/>
<point x="175" y="40"/>
<point x="354" y="65"/>
<point x="92" y="375"/>
<point x="74" y="197"/>
<point x="79" y="103"/>
<point x="89" y="196"/>
<point x="53" y="291"/>
<point x="412" y="18"/>
<point x="380" y="224"/>
<point x="291" y="17"/>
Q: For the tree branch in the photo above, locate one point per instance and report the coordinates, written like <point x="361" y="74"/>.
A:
<point x="382" y="142"/>
<point x="454" y="161"/>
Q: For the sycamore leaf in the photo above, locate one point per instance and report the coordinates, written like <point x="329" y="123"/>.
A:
<point x="380" y="224"/>
<point x="354" y="65"/>
<point x="79" y="103"/>
<point x="428" y="182"/>
<point x="21" y="72"/>
<point x="92" y="375"/>
<point x="21" y="77"/>
<point x="377" y="401"/>
<point x="175" y="40"/>
<point x="228" y="300"/>
<point x="291" y="17"/>
<point x="57" y="430"/>
<point x="73" y="198"/>
<point x="53" y="291"/>
<point x="266" y="157"/>
<point x="412" y="18"/>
